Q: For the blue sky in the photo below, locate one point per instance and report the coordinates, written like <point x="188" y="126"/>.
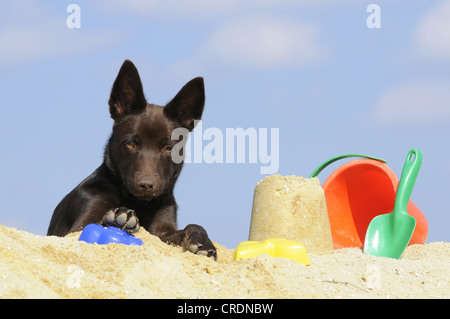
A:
<point x="312" y="69"/>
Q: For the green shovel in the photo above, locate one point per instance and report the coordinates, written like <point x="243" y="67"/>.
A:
<point x="389" y="234"/>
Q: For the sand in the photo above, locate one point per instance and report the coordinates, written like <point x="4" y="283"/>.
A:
<point x="293" y="208"/>
<point x="34" y="266"/>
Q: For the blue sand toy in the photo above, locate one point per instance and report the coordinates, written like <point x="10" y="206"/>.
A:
<point x="94" y="233"/>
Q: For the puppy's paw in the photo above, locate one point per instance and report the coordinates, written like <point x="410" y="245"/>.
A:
<point x="122" y="218"/>
<point x="196" y="241"/>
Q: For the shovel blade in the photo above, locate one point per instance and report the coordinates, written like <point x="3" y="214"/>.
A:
<point x="388" y="235"/>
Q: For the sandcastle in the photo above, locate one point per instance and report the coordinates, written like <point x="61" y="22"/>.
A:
<point x="293" y="208"/>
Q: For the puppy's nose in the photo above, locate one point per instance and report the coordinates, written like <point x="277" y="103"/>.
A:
<point x="147" y="184"/>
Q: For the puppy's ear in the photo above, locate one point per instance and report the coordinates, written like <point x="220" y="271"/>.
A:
<point x="127" y="95"/>
<point x="187" y="105"/>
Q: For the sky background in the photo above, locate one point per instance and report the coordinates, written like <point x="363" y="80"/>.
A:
<point x="311" y="68"/>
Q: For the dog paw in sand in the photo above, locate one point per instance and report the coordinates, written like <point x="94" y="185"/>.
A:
<point x="196" y="241"/>
<point x="122" y="218"/>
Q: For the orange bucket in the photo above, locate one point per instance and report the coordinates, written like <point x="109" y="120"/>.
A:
<point x="357" y="192"/>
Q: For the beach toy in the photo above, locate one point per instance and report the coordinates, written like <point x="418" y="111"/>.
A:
<point x="94" y="233"/>
<point x="356" y="193"/>
<point x="274" y="247"/>
<point x="336" y="158"/>
<point x="389" y="234"/>
<point x="293" y="208"/>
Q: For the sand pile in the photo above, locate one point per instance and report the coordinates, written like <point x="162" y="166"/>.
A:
<point x="34" y="266"/>
<point x="293" y="208"/>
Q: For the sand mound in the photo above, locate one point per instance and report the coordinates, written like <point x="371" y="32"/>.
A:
<point x="34" y="266"/>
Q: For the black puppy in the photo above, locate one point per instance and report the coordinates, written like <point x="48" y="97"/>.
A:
<point x="134" y="185"/>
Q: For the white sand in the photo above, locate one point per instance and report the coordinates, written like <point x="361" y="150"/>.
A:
<point x="34" y="266"/>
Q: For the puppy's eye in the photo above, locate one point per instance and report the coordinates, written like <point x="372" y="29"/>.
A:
<point x="167" y="148"/>
<point x="131" y="145"/>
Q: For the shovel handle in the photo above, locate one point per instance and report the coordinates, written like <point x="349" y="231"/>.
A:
<point x="408" y="179"/>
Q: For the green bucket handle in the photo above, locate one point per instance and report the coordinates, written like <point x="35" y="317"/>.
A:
<point x="334" y="159"/>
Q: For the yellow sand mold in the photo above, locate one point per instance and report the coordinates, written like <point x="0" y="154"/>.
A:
<point x="275" y="247"/>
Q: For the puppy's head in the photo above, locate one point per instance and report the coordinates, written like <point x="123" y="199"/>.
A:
<point x="140" y="148"/>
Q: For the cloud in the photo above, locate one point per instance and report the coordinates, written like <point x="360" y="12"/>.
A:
<point x="43" y="34"/>
<point x="204" y="9"/>
<point x="432" y="37"/>
<point x="415" y="103"/>
<point x="173" y="8"/>
<point x="265" y="42"/>
<point x="22" y="43"/>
